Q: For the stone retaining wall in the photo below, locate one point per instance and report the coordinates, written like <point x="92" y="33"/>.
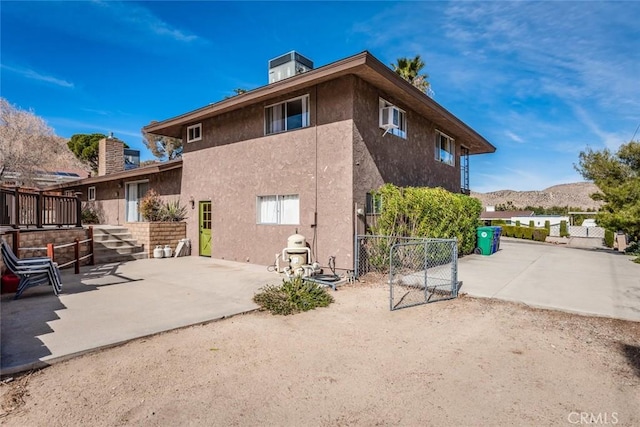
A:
<point x="40" y="238"/>
<point x="151" y="234"/>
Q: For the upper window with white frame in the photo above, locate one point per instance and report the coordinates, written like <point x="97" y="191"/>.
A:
<point x="392" y="119"/>
<point x="287" y="115"/>
<point x="445" y="149"/>
<point x="278" y="209"/>
<point x="194" y="133"/>
<point x="91" y="194"/>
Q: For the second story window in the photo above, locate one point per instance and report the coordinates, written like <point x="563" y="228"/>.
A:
<point x="288" y="115"/>
<point x="392" y="119"/>
<point x="194" y="133"/>
<point x="445" y="149"/>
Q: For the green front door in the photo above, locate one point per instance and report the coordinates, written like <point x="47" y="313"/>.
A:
<point x="205" y="228"/>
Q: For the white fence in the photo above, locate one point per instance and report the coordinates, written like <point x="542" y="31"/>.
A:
<point x="578" y="231"/>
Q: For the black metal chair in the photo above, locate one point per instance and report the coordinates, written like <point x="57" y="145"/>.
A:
<point x="31" y="271"/>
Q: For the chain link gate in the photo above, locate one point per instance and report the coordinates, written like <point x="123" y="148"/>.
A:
<point x="419" y="270"/>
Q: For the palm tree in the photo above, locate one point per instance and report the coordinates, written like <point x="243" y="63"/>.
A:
<point x="409" y="69"/>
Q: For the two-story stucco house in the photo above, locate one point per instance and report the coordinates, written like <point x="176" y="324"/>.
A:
<point x="302" y="153"/>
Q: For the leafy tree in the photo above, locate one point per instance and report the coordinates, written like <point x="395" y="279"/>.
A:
<point x="237" y="91"/>
<point x="28" y="145"/>
<point x="163" y="147"/>
<point x="85" y="147"/>
<point x="410" y="69"/>
<point x="618" y="178"/>
<point x="509" y="206"/>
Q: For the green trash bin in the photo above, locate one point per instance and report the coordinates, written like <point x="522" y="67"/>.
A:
<point x="485" y="240"/>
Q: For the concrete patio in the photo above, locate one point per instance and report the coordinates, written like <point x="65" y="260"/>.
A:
<point x="113" y="303"/>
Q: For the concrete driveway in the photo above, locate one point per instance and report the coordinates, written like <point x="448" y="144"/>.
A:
<point x="114" y="303"/>
<point x="585" y="281"/>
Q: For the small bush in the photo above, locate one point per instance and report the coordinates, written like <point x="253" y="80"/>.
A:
<point x="172" y="211"/>
<point x="89" y="216"/>
<point x="547" y="226"/>
<point x="150" y="206"/>
<point x="563" y="229"/>
<point x="608" y="238"/>
<point x="532" y="224"/>
<point x="527" y="233"/>
<point x="540" y="234"/>
<point x="508" y="230"/>
<point x="632" y="249"/>
<point x="517" y="223"/>
<point x="293" y="296"/>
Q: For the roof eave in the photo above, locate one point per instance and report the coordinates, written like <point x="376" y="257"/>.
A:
<point x="358" y="65"/>
<point x="132" y="173"/>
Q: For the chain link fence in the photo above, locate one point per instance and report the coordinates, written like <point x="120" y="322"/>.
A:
<point x="418" y="270"/>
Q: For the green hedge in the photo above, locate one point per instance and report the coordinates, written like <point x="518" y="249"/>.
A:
<point x="428" y="212"/>
<point x="564" y="232"/>
<point x="608" y="238"/>
<point x="537" y="234"/>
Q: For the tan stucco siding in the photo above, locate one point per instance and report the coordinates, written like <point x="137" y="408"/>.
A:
<point x="232" y="176"/>
<point x="390" y="159"/>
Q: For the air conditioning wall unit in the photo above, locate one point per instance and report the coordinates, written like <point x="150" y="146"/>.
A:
<point x="390" y="118"/>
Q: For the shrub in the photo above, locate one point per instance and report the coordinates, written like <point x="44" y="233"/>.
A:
<point x="153" y="209"/>
<point x="563" y="229"/>
<point x="608" y="238"/>
<point x="519" y="232"/>
<point x="547" y="226"/>
<point x="632" y="249"/>
<point x="89" y="215"/>
<point x="508" y="231"/>
<point x="540" y="234"/>
<point x="150" y="206"/>
<point x="532" y="224"/>
<point x="517" y="223"/>
<point x="428" y="212"/>
<point x="293" y="296"/>
<point x="172" y="211"/>
<point x="527" y="233"/>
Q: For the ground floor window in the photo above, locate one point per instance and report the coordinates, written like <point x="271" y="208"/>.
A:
<point x="278" y="209"/>
<point x="91" y="194"/>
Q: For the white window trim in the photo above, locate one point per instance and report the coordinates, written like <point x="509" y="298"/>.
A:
<point x="400" y="132"/>
<point x="305" y="115"/>
<point x="452" y="146"/>
<point x="278" y="220"/>
<point x="89" y="195"/>
<point x="197" y="126"/>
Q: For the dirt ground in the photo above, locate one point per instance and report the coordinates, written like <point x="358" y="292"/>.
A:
<point x="459" y="362"/>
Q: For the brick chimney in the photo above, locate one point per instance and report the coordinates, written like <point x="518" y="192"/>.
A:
<point x="110" y="155"/>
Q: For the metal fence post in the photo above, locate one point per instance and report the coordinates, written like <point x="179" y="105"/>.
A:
<point x="76" y="249"/>
<point x="91" y="259"/>
<point x="16" y="208"/>
<point x="39" y="211"/>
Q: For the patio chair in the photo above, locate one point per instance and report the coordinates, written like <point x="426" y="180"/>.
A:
<point x="31" y="271"/>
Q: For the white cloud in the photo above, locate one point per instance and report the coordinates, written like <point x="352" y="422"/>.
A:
<point x="514" y="137"/>
<point x="143" y="20"/>
<point x="34" y="75"/>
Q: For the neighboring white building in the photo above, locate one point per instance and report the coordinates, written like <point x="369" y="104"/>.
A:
<point x="539" y="220"/>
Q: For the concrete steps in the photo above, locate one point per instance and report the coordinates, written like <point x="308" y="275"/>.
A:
<point x="115" y="244"/>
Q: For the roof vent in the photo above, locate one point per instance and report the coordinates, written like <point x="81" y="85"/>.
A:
<point x="288" y="65"/>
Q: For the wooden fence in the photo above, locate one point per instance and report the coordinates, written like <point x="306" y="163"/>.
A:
<point x="21" y="208"/>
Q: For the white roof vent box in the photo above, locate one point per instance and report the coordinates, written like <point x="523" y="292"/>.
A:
<point x="288" y="65"/>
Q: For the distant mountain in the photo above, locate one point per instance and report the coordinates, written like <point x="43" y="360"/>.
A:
<point x="573" y="195"/>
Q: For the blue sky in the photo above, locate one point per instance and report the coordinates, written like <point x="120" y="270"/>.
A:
<point x="540" y="80"/>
